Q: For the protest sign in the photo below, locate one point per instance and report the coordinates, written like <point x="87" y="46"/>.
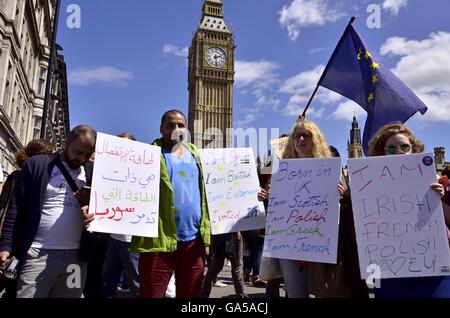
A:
<point x="399" y="221"/>
<point x="303" y="211"/>
<point x="232" y="188"/>
<point x="125" y="187"/>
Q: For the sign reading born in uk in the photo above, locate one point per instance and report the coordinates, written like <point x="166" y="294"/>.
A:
<point x="232" y="188"/>
<point x="125" y="187"/>
<point x="399" y="222"/>
<point x="303" y="211"/>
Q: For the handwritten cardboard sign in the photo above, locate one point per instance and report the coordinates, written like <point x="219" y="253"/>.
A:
<point x="399" y="221"/>
<point x="232" y="188"/>
<point x="125" y="187"/>
<point x="278" y="145"/>
<point x="303" y="211"/>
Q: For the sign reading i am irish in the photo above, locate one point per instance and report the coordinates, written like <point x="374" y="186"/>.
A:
<point x="399" y="223"/>
<point x="125" y="187"/>
<point x="303" y="211"/>
<point x="232" y="188"/>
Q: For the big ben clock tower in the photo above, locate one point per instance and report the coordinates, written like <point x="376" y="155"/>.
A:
<point x="211" y="77"/>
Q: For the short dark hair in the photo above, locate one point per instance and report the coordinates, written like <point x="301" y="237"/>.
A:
<point x="334" y="152"/>
<point x="446" y="171"/>
<point x="81" y="130"/>
<point x="127" y="136"/>
<point x="170" y="112"/>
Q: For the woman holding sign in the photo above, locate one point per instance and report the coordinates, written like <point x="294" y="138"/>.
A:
<point x="397" y="139"/>
<point x="327" y="280"/>
<point x="305" y="141"/>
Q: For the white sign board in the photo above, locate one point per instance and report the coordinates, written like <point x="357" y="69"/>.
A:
<point x="125" y="187"/>
<point x="278" y="145"/>
<point x="232" y="187"/>
<point x="303" y="211"/>
<point x="399" y="221"/>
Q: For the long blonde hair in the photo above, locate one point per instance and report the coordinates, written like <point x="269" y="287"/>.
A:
<point x="320" y="146"/>
<point x="378" y="141"/>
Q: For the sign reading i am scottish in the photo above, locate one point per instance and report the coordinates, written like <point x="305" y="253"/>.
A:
<point x="232" y="188"/>
<point x="303" y="211"/>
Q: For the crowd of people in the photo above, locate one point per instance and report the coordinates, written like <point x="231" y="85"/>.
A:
<point x="45" y="221"/>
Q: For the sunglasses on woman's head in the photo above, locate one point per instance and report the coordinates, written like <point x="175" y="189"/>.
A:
<point x="392" y="149"/>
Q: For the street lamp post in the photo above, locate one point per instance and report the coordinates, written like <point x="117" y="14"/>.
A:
<point x="50" y="73"/>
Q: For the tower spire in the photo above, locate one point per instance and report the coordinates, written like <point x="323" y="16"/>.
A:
<point x="212" y="8"/>
<point x="210" y="80"/>
<point x="355" y="149"/>
<point x="212" y="17"/>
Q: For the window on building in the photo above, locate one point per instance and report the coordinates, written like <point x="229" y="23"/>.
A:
<point x="18" y="8"/>
<point x="37" y="127"/>
<point x="17" y="120"/>
<point x="7" y="95"/>
<point x="22" y="131"/>
<point x="14" y="93"/>
<point x="41" y="83"/>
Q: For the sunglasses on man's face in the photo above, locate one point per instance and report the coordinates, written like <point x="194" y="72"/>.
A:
<point x="392" y="149"/>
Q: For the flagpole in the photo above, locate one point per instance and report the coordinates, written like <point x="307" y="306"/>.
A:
<point x="303" y="115"/>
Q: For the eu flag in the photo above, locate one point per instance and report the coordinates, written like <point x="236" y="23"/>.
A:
<point x="353" y="72"/>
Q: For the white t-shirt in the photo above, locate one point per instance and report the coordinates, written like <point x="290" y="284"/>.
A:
<point x="61" y="220"/>
<point x="122" y="237"/>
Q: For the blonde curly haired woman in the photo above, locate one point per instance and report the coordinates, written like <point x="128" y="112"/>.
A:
<point x="306" y="140"/>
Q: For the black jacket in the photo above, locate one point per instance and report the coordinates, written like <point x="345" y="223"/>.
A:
<point x="7" y="191"/>
<point x="25" y="207"/>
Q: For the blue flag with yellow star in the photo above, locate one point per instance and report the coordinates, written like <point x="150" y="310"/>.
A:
<point x="353" y="72"/>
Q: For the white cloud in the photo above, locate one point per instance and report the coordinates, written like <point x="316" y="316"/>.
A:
<point x="394" y="6"/>
<point x="316" y="50"/>
<point x="249" y="118"/>
<point x="296" y="106"/>
<point x="302" y="13"/>
<point x="258" y="79"/>
<point x="172" y="49"/>
<point x="347" y="110"/>
<point x="424" y="67"/>
<point x="303" y="82"/>
<point x="301" y="87"/>
<point x="438" y="105"/>
<point x="260" y="74"/>
<point x="102" y="74"/>
<point x="263" y="100"/>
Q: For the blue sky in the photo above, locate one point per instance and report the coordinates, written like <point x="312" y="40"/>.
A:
<point x="127" y="62"/>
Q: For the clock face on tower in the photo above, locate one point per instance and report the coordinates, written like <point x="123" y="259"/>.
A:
<point x="216" y="57"/>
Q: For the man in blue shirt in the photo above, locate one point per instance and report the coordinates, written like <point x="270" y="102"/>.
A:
<point x="183" y="225"/>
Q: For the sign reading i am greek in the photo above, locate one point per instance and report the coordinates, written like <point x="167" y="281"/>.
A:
<point x="232" y="187"/>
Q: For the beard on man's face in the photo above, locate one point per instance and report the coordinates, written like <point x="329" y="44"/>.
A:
<point x="73" y="164"/>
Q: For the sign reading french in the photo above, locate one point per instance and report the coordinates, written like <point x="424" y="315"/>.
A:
<point x="125" y="187"/>
<point x="232" y="188"/>
<point x="399" y="223"/>
<point x="303" y="211"/>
